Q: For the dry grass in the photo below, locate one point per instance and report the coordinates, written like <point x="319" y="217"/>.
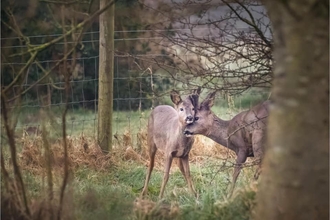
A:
<point x="43" y="148"/>
<point x="202" y="149"/>
<point x="146" y="209"/>
<point x="82" y="151"/>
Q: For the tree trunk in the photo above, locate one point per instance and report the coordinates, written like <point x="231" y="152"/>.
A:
<point x="295" y="181"/>
<point x="106" y="68"/>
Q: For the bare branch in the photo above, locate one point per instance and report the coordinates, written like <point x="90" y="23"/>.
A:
<point x="81" y="25"/>
<point x="12" y="146"/>
<point x="63" y="2"/>
<point x="252" y="23"/>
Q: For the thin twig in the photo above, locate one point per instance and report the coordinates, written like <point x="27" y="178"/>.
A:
<point x="65" y="146"/>
<point x="244" y="126"/>
<point x="12" y="146"/>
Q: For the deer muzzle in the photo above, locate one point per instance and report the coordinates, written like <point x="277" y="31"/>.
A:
<point x="187" y="133"/>
<point x="189" y="119"/>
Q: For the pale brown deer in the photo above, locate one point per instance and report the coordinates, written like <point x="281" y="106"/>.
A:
<point x="166" y="133"/>
<point x="245" y="134"/>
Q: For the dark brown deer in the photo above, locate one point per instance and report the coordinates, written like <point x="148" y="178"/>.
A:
<point x="166" y="133"/>
<point x="245" y="134"/>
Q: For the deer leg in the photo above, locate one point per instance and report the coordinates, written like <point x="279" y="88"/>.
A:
<point x="181" y="168"/>
<point x="167" y="166"/>
<point x="241" y="158"/>
<point x="152" y="154"/>
<point x="185" y="170"/>
<point x="257" y="145"/>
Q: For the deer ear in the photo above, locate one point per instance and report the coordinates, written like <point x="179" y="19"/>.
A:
<point x="208" y="101"/>
<point x="194" y="97"/>
<point x="194" y="100"/>
<point x="175" y="97"/>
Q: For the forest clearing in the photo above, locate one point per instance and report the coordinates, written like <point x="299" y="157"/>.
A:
<point x="80" y="78"/>
<point x="108" y="185"/>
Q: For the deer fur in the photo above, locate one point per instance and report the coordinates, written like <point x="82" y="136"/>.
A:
<point x="245" y="134"/>
<point x="166" y="133"/>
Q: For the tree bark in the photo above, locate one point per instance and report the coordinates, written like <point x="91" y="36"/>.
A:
<point x="295" y="181"/>
<point x="106" y="68"/>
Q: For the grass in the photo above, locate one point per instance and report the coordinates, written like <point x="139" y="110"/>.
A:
<point x="108" y="187"/>
<point x="82" y="121"/>
<point x="78" y="122"/>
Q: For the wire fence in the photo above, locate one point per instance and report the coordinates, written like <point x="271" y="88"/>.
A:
<point x="138" y="86"/>
<point x="133" y="95"/>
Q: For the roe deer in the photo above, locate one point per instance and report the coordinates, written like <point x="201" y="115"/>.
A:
<point x="166" y="132"/>
<point x="245" y="134"/>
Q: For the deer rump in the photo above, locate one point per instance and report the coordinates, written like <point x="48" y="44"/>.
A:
<point x="248" y="128"/>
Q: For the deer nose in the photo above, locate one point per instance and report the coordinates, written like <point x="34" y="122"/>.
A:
<point x="187" y="133"/>
<point x="189" y="119"/>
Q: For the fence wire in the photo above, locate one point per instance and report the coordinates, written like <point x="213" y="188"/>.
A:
<point x="137" y="88"/>
<point x="133" y="97"/>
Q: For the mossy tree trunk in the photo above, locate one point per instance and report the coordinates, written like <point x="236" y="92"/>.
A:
<point x="106" y="72"/>
<point x="295" y="180"/>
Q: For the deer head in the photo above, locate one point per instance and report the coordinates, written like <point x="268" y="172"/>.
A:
<point x="186" y="108"/>
<point x="203" y="118"/>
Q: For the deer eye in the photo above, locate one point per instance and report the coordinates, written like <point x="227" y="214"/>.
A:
<point x="181" y="109"/>
<point x="193" y="109"/>
<point x="196" y="118"/>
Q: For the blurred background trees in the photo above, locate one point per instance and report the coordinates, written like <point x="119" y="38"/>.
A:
<point x="224" y="46"/>
<point x="160" y="45"/>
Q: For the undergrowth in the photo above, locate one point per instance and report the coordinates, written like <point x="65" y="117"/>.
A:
<point x="108" y="186"/>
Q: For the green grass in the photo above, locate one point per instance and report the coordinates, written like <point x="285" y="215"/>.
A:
<point x="79" y="122"/>
<point x="101" y="195"/>
<point x="111" y="194"/>
<point x="82" y="121"/>
<point x="127" y="181"/>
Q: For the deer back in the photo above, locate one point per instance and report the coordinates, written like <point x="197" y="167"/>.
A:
<point x="247" y="124"/>
<point x="164" y="124"/>
<point x="252" y="119"/>
<point x="235" y="133"/>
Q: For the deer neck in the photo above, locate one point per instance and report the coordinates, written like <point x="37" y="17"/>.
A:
<point x="179" y="132"/>
<point x="219" y="131"/>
